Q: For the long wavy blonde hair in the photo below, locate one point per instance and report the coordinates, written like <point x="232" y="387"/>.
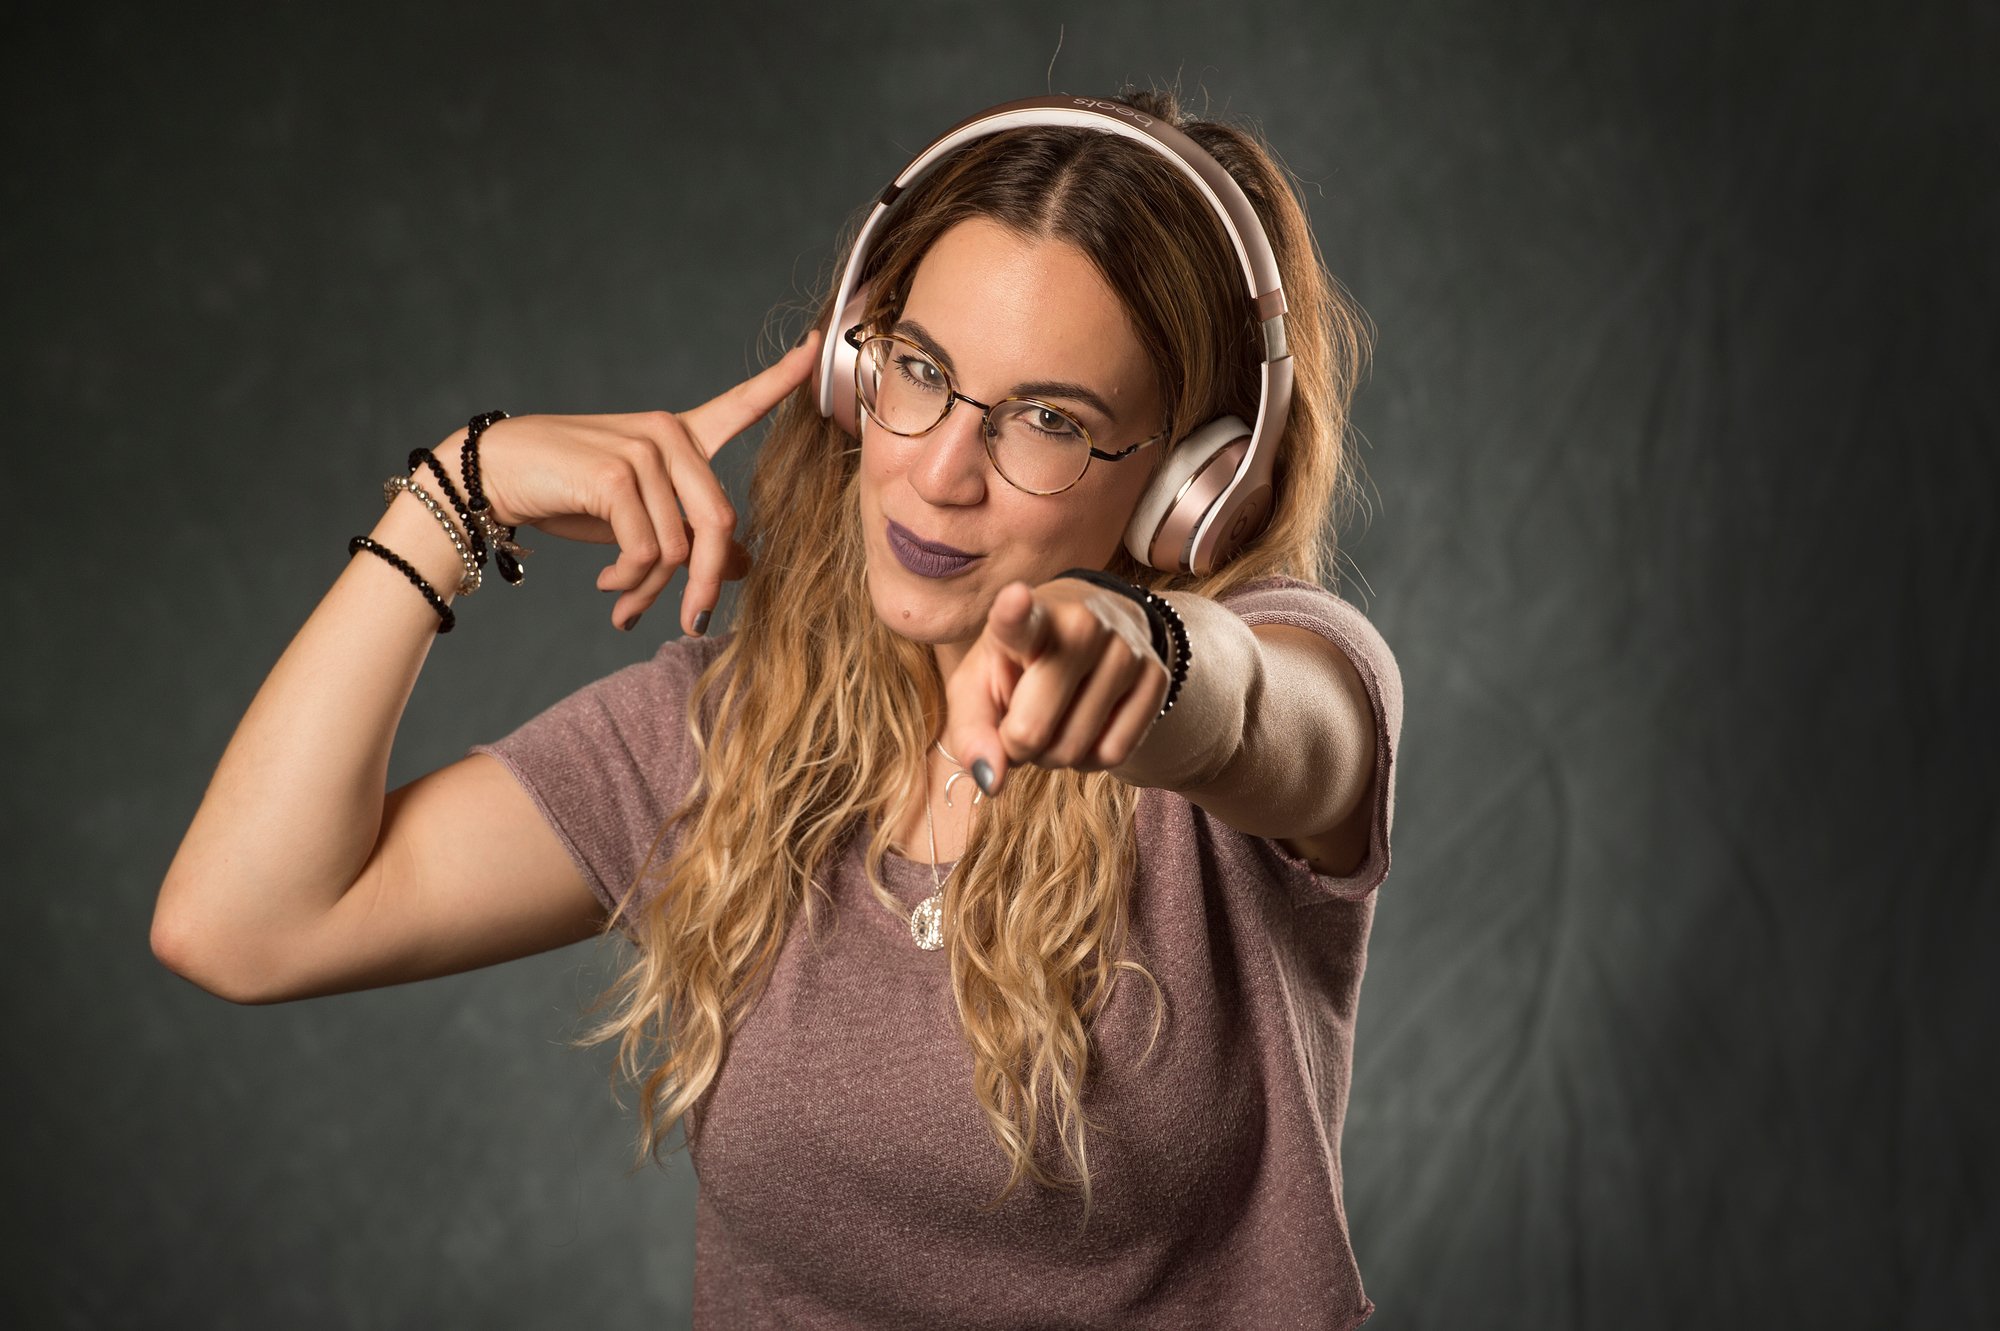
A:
<point x="815" y="719"/>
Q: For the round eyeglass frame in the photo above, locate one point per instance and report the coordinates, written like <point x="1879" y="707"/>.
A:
<point x="953" y="397"/>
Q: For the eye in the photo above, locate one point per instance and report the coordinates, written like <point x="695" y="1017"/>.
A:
<point x="1053" y="424"/>
<point x="919" y="372"/>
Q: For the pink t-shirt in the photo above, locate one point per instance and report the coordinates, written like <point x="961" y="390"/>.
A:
<point x="843" y="1159"/>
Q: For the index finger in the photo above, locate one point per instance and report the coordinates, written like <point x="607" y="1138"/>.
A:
<point x="1018" y="623"/>
<point x="734" y="410"/>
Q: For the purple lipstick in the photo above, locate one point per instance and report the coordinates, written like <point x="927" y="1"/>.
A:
<point x="927" y="559"/>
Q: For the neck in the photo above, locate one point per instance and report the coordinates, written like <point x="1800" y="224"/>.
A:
<point x="949" y="655"/>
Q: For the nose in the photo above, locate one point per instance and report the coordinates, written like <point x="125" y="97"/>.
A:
<point x="951" y="463"/>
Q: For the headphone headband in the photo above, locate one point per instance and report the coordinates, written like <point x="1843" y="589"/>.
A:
<point x="1239" y="218"/>
<point x="1202" y="534"/>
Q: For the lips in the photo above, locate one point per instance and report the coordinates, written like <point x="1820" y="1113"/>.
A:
<point x="926" y="558"/>
<point x="935" y="547"/>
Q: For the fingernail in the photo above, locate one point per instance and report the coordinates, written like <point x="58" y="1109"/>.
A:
<point x="982" y="772"/>
<point x="802" y="339"/>
<point x="631" y="623"/>
<point x="701" y="623"/>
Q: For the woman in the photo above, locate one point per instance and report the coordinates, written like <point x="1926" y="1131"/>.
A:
<point x="886" y="1007"/>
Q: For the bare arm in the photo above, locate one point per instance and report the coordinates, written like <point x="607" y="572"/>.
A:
<point x="1272" y="733"/>
<point x="294" y="817"/>
<point x="298" y="876"/>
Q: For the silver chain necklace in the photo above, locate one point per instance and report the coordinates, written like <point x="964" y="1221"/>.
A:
<point x="927" y="920"/>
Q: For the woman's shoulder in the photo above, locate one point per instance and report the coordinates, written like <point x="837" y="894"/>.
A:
<point x="686" y="657"/>
<point x="666" y="676"/>
<point x="606" y="762"/>
<point x="638" y="708"/>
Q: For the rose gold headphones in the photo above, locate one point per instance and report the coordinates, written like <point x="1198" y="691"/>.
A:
<point x="1212" y="494"/>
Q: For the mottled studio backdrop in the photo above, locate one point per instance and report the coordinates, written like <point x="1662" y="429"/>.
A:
<point x="1681" y="463"/>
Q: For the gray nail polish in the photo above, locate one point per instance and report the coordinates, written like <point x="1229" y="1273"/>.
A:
<point x="701" y="623"/>
<point x="802" y="339"/>
<point x="982" y="772"/>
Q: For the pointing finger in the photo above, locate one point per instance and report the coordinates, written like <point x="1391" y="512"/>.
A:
<point x="1017" y="622"/>
<point x="976" y="708"/>
<point x="732" y="411"/>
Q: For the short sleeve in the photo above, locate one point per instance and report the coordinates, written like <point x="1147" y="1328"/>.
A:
<point x="606" y="765"/>
<point x="1292" y="601"/>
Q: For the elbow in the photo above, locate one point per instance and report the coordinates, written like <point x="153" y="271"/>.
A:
<point x="179" y="950"/>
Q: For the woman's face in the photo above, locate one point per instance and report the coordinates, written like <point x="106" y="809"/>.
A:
<point x="998" y="311"/>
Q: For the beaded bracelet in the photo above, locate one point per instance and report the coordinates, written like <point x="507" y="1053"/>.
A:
<point x="445" y="617"/>
<point x="422" y="457"/>
<point x="1170" y="638"/>
<point x="505" y="549"/>
<point x="481" y="528"/>
<point x="467" y="584"/>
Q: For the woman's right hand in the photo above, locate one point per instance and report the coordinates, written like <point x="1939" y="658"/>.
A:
<point x="641" y="481"/>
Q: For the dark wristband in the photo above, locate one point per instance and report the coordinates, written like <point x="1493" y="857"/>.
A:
<point x="475" y="497"/>
<point x="446" y="619"/>
<point x="1170" y="638"/>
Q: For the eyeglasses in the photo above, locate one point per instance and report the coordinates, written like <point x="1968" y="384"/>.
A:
<point x="1034" y="445"/>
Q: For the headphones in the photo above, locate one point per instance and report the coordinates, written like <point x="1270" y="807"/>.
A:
<point x="1212" y="494"/>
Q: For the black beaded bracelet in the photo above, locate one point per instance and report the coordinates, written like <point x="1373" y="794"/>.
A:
<point x="420" y="457"/>
<point x="1183" y="654"/>
<point x="1170" y="638"/>
<point x="445" y="617"/>
<point x="475" y="498"/>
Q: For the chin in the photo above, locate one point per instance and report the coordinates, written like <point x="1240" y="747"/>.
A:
<point x="913" y="608"/>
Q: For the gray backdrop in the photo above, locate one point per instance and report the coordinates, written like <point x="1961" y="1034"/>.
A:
<point x="1680" y="453"/>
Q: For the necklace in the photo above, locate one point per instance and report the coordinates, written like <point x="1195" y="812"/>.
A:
<point x="927" y="920"/>
<point x="977" y="793"/>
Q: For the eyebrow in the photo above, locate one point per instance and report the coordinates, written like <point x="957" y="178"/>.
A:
<point x="917" y="333"/>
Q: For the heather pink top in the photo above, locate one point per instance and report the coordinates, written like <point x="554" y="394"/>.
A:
<point x="842" y="1159"/>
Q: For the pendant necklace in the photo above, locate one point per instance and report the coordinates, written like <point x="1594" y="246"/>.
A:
<point x="927" y="920"/>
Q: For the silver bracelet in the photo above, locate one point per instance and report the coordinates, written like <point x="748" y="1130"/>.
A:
<point x="467" y="584"/>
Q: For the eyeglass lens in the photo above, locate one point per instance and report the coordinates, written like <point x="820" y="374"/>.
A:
<point x="1034" y="446"/>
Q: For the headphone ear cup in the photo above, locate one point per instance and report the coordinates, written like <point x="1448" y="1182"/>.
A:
<point x="1157" y="512"/>
<point x="833" y="376"/>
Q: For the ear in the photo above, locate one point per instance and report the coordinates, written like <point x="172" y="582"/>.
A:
<point x="1176" y="467"/>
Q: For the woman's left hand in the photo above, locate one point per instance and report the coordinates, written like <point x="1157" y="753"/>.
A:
<point x="1063" y="675"/>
